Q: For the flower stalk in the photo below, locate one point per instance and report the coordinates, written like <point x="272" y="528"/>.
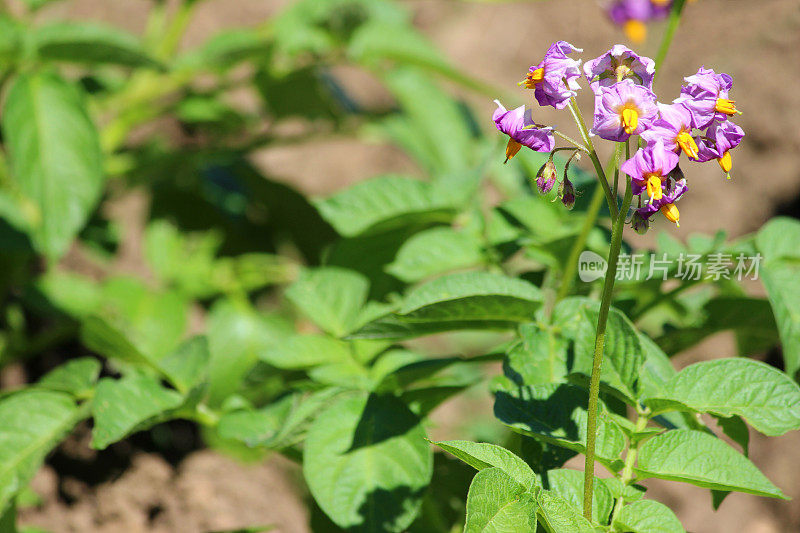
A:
<point x="599" y="345"/>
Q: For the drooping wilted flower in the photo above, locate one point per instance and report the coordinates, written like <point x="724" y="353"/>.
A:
<point x="618" y="64"/>
<point x="521" y="129"/>
<point x="674" y="129"/>
<point x="649" y="168"/>
<point x="706" y="97"/>
<point x="554" y="79"/>
<point x="622" y="110"/>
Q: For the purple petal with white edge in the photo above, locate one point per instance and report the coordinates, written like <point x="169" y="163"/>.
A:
<point x="519" y="125"/>
<point x="498" y="114"/>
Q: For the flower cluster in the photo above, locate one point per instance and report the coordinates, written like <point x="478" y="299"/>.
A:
<point x="696" y="124"/>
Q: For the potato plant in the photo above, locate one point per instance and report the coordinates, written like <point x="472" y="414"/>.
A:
<point x="285" y="324"/>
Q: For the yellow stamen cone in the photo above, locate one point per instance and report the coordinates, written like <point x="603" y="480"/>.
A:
<point x="533" y="78"/>
<point x="687" y="144"/>
<point x="726" y="162"/>
<point x="654" y="187"/>
<point x="511" y="149"/>
<point x="630" y="120"/>
<point x="671" y="213"/>
<point x="636" y="30"/>
<point x="726" y="106"/>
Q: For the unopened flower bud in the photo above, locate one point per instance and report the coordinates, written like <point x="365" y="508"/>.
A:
<point x="546" y="177"/>
<point x="566" y="191"/>
<point x="639" y="224"/>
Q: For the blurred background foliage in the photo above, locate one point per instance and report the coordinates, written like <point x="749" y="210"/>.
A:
<point x="143" y="246"/>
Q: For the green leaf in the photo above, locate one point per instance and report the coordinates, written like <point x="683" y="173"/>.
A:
<point x="367" y="463"/>
<point x="34" y="421"/>
<point x="187" y="366"/>
<point x="569" y="485"/>
<point x="226" y="49"/>
<point x="440" y="133"/>
<point x="277" y="425"/>
<point x="701" y="459"/>
<point x="750" y="318"/>
<point x="560" y="516"/>
<point x="779" y="239"/>
<point x="782" y="282"/>
<point x="395" y="327"/>
<point x="91" y="43"/>
<point x="76" y="295"/>
<point x="76" y="377"/>
<point x="496" y="503"/>
<point x="468" y="300"/>
<point x="648" y="516"/>
<point x="376" y="42"/>
<point x="765" y="397"/>
<point x="37" y="4"/>
<point x="557" y="414"/>
<point x="153" y="321"/>
<point x="330" y="296"/>
<point x="61" y="174"/>
<point x="384" y="203"/>
<point x="237" y="334"/>
<point x="435" y="251"/>
<point x="103" y="338"/>
<point x="735" y="428"/>
<point x="129" y="404"/>
<point x="298" y="352"/>
<point x="472" y="296"/>
<point x="656" y="370"/>
<point x="540" y="357"/>
<point x="622" y="354"/>
<point x="482" y="455"/>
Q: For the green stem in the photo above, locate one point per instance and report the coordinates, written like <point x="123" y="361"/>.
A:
<point x="174" y="32"/>
<point x="598" y="167"/>
<point x="669" y="33"/>
<point x="588" y="223"/>
<point x="572" y="141"/>
<point x="599" y="343"/>
<point x="627" y="471"/>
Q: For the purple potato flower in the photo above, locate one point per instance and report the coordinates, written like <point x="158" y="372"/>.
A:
<point x="719" y="139"/>
<point x="706" y="97"/>
<point x="618" y="64"/>
<point x="522" y="131"/>
<point x="674" y="189"/>
<point x="547" y="78"/>
<point x="622" y="110"/>
<point x="633" y="14"/>
<point x="649" y="168"/>
<point x="674" y="129"/>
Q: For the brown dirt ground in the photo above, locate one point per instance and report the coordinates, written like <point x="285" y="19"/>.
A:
<point x="757" y="43"/>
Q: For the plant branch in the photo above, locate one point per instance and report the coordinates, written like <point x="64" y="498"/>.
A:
<point x="627" y="471"/>
<point x="599" y="344"/>
<point x="598" y="167"/>
<point x="669" y="33"/>
<point x="589" y="222"/>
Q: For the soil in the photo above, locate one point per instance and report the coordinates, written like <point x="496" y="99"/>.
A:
<point x="757" y="43"/>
